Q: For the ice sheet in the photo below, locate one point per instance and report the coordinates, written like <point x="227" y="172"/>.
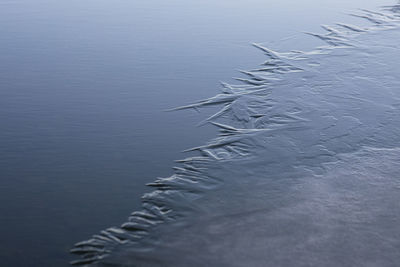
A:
<point x="305" y="171"/>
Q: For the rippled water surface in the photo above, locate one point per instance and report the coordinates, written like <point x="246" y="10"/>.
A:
<point x="83" y="89"/>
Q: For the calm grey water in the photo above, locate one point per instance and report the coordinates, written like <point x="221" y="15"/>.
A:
<point x="83" y="86"/>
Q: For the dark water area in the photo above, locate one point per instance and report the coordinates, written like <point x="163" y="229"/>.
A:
<point x="83" y="89"/>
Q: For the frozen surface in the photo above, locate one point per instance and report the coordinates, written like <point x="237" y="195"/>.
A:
<point x="305" y="171"/>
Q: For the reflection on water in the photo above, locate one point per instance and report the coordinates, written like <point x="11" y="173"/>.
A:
<point x="83" y="86"/>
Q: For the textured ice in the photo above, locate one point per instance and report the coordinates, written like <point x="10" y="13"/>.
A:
<point x="305" y="171"/>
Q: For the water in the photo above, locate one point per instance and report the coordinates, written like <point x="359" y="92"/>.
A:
<point x="83" y="88"/>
